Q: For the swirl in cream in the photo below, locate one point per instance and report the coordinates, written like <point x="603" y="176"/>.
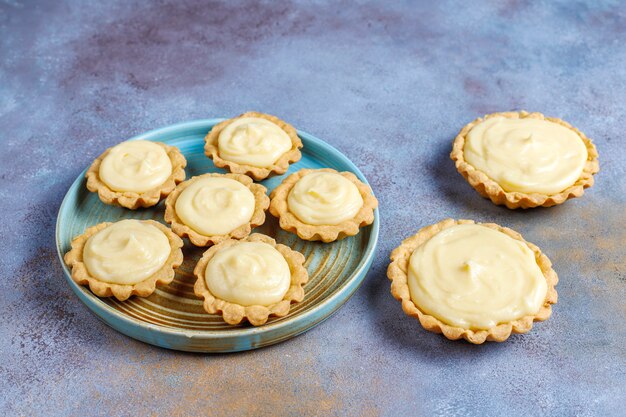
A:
<point x="248" y="273"/>
<point x="126" y="252"/>
<point x="215" y="206"/>
<point x="253" y="141"/>
<point x="324" y="198"/>
<point x="135" y="166"/>
<point x="475" y="277"/>
<point x="526" y="155"/>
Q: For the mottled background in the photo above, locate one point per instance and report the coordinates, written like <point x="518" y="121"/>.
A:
<point x="389" y="85"/>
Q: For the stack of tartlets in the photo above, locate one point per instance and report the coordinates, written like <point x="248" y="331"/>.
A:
<point x="242" y="276"/>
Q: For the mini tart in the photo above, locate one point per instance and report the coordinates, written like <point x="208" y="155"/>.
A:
<point x="280" y="166"/>
<point x="261" y="203"/>
<point x="257" y="315"/>
<point x="489" y="188"/>
<point x="131" y="199"/>
<point x="398" y="273"/>
<point x="288" y="221"/>
<point x="163" y="276"/>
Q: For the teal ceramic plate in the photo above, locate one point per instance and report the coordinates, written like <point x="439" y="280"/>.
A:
<point x="173" y="317"/>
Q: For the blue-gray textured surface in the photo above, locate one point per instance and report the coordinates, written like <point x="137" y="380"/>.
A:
<point x="389" y="85"/>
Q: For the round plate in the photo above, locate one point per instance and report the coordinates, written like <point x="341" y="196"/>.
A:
<point x="173" y="317"/>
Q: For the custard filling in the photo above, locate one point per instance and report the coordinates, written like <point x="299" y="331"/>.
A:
<point x="526" y="155"/>
<point x="135" y="166"/>
<point x="253" y="141"/>
<point x="215" y="206"/>
<point x="248" y="273"/>
<point x="474" y="277"/>
<point x="324" y="198"/>
<point x="126" y="252"/>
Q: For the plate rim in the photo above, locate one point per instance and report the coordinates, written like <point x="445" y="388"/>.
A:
<point x="356" y="277"/>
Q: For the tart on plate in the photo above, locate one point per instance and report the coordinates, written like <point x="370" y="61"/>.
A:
<point x="525" y="160"/>
<point x="323" y="204"/>
<point x="211" y="208"/>
<point x="128" y="257"/>
<point x="479" y="282"/>
<point x="250" y="279"/>
<point x="255" y="144"/>
<point x="137" y="173"/>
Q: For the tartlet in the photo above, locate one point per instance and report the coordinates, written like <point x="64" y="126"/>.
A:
<point x="399" y="272"/>
<point x="282" y="207"/>
<point x="235" y="313"/>
<point x="489" y="187"/>
<point x="163" y="275"/>
<point x="258" y="171"/>
<point x="259" y="204"/>
<point x="135" y="199"/>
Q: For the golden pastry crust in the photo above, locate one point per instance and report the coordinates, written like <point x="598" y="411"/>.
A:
<point x="278" y="168"/>
<point x="257" y="315"/>
<point x="165" y="275"/>
<point x="130" y="199"/>
<point x="398" y="269"/>
<point x="489" y="188"/>
<point x="261" y="203"/>
<point x="326" y="233"/>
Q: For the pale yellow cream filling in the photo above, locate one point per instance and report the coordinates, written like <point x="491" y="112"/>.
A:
<point x="126" y="252"/>
<point x="215" y="206"/>
<point x="253" y="141"/>
<point x="136" y="166"/>
<point x="324" y="198"/>
<point x="526" y="155"/>
<point x="474" y="277"/>
<point x="248" y="273"/>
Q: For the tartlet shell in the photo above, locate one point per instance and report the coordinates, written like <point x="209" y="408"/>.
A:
<point x="489" y="188"/>
<point x="326" y="233"/>
<point x="165" y="275"/>
<point x="398" y="269"/>
<point x="261" y="203"/>
<point x="279" y="167"/>
<point x="234" y="313"/>
<point x="134" y="200"/>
